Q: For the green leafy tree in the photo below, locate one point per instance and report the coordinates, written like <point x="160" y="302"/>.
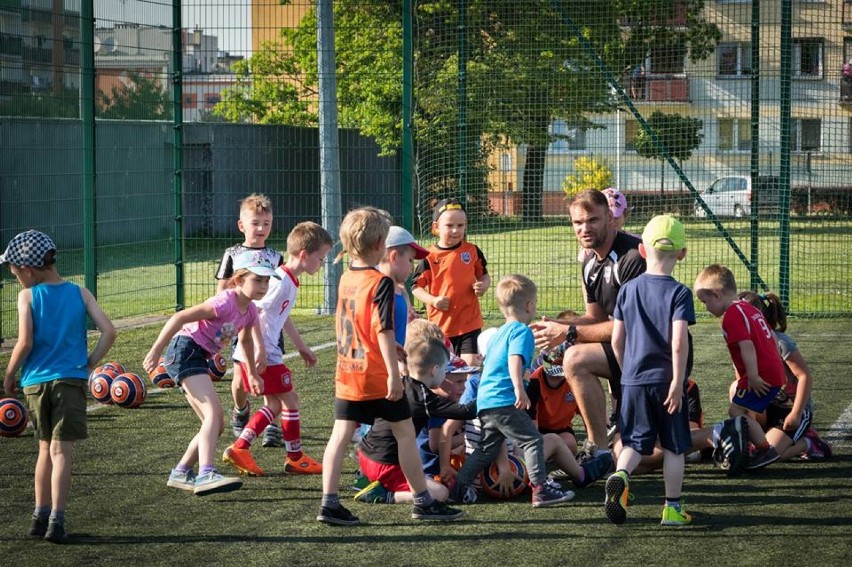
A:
<point x="589" y="173"/>
<point x="140" y="98"/>
<point x="678" y="137"/>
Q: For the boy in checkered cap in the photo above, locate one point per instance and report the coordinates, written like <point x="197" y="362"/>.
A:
<point x="52" y="354"/>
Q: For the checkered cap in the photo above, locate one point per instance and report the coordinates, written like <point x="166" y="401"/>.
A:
<point x="28" y="249"/>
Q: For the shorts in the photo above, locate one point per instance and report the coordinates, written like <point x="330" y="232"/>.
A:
<point x="390" y="476"/>
<point x="366" y="411"/>
<point x="775" y="416"/>
<point x="644" y="419"/>
<point x="58" y="409"/>
<point x="185" y="358"/>
<point x="466" y="343"/>
<point x="276" y="378"/>
<point x="545" y="431"/>
<point x="752" y="401"/>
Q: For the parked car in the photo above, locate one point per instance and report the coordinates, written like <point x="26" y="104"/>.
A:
<point x="732" y="196"/>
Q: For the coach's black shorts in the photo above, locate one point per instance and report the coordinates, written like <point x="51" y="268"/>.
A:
<point x="367" y="411"/>
<point x="466" y="343"/>
<point x="614" y="370"/>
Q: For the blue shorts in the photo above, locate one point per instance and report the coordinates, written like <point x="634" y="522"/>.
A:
<point x="753" y="401"/>
<point x="643" y="419"/>
<point x="184" y="358"/>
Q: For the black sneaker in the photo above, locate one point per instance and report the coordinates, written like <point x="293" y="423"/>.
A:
<point x="595" y="468"/>
<point x="38" y="528"/>
<point x="546" y="495"/>
<point x="730" y="453"/>
<point x="436" y="511"/>
<point x="273" y="436"/>
<point x="56" y="533"/>
<point x="339" y="516"/>
<point x="762" y="457"/>
<point x="462" y="493"/>
<point x="239" y="420"/>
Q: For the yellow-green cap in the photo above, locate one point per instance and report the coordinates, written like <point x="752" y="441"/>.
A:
<point x="664" y="232"/>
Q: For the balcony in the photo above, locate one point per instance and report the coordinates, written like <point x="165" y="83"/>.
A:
<point x="659" y="89"/>
<point x="846" y="18"/>
<point x="845" y="91"/>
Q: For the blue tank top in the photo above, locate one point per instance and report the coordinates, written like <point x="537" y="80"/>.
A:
<point x="59" y="335"/>
<point x="400" y="318"/>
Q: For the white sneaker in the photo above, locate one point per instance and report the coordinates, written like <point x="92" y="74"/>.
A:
<point x="214" y="483"/>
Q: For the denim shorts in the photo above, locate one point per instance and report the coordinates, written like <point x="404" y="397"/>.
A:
<point x="185" y="358"/>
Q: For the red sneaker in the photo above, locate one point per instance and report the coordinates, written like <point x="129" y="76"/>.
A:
<point x="304" y="465"/>
<point x="242" y="460"/>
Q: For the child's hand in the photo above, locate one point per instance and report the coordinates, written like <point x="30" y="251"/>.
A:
<point x="309" y="357"/>
<point x="674" y="399"/>
<point x="441" y="303"/>
<point x="522" y="401"/>
<point x="448" y="473"/>
<point x="260" y="365"/>
<point x="255" y="384"/>
<point x="394" y="389"/>
<point x="791" y="422"/>
<point x="758" y="385"/>
<point x="479" y="288"/>
<point x="9" y="384"/>
<point x="506" y="479"/>
<point x="151" y="360"/>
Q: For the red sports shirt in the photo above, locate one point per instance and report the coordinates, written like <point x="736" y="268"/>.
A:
<point x="744" y="322"/>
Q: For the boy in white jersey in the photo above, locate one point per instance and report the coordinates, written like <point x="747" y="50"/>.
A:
<point x="307" y="246"/>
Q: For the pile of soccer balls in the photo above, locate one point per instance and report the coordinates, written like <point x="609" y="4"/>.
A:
<point x="113" y="384"/>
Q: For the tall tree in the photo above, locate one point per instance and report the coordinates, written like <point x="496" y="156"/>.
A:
<point x="678" y="137"/>
<point x="140" y="98"/>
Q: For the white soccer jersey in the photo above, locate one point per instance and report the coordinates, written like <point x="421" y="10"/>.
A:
<point x="274" y="309"/>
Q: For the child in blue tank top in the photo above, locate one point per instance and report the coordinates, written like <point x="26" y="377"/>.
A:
<point x="52" y="354"/>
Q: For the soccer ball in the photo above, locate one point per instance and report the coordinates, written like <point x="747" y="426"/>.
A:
<point x="128" y="390"/>
<point x="116" y="367"/>
<point x="489" y="477"/>
<point x="100" y="383"/>
<point x="13" y="417"/>
<point x="216" y="367"/>
<point x="160" y="377"/>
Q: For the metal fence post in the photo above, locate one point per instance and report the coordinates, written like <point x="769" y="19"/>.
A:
<point x="177" y="150"/>
<point x="785" y="111"/>
<point x="87" y="115"/>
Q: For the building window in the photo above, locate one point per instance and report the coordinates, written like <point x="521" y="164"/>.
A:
<point x="807" y="58"/>
<point x="734" y="134"/>
<point x="631" y="129"/>
<point x="667" y="60"/>
<point x="568" y="136"/>
<point x="189" y="100"/>
<point x="505" y="161"/>
<point x="734" y="59"/>
<point x="211" y="100"/>
<point x="806" y="134"/>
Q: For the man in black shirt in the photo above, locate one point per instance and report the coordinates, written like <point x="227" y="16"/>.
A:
<point x="612" y="258"/>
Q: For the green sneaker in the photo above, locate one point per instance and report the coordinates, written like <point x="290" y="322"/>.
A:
<point x="617" y="494"/>
<point x="373" y="493"/>
<point x="675" y="516"/>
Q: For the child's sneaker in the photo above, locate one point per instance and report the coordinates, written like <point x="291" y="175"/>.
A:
<point x="303" y="465"/>
<point x="360" y="481"/>
<point x="38" y="528"/>
<point x="595" y="468"/>
<point x="462" y="493"/>
<point x="762" y="457"/>
<point x="617" y="494"/>
<point x="731" y="451"/>
<point x="242" y="460"/>
<point x="55" y="533"/>
<point x="339" y="516"/>
<point x="239" y="420"/>
<point x="675" y="516"/>
<point x="545" y="495"/>
<point x="373" y="493"/>
<point x="436" y="511"/>
<point x="273" y="436"/>
<point x="182" y="480"/>
<point x="818" y="448"/>
<point x="214" y="483"/>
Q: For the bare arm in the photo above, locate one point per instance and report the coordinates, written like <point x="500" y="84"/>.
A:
<point x="516" y="372"/>
<point x="24" y="344"/>
<point x="439" y="302"/>
<point x="618" y="341"/>
<point x="304" y="350"/>
<point x="246" y="338"/>
<point x="796" y="364"/>
<point x="172" y="326"/>
<point x="680" y="353"/>
<point x="387" y="345"/>
<point x="104" y="325"/>
<point x="749" y="354"/>
<point x="592" y="327"/>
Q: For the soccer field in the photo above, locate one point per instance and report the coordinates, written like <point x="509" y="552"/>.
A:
<point x="122" y="513"/>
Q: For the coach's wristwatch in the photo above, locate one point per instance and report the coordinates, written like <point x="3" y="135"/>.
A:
<point x="571" y="335"/>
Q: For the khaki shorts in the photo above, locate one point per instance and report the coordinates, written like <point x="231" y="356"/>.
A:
<point x="58" y="409"/>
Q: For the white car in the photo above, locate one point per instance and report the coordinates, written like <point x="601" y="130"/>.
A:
<point x="731" y="196"/>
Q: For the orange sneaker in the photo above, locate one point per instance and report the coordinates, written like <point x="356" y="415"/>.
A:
<point x="242" y="460"/>
<point x="305" y="465"/>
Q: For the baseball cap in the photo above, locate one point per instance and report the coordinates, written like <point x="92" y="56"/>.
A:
<point x="484" y="338"/>
<point x="617" y="201"/>
<point x="457" y="365"/>
<point x="28" y="249"/>
<point x="664" y="232"/>
<point x="446" y="205"/>
<point x="256" y="262"/>
<point x="398" y="236"/>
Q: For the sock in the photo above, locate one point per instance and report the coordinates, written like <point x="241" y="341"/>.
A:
<point x="808" y="444"/>
<point x="203" y="470"/>
<point x="625" y="472"/>
<point x="182" y="468"/>
<point x="390" y="499"/>
<point x="41" y="512"/>
<point x="243" y="410"/>
<point x="330" y="501"/>
<point x="257" y="423"/>
<point x="717" y="431"/>
<point x="291" y="428"/>
<point x="582" y="476"/>
<point x="673" y="502"/>
<point x="423" y="498"/>
<point x="57" y="516"/>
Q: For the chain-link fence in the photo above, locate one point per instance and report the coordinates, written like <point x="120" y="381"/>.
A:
<point x="130" y="130"/>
